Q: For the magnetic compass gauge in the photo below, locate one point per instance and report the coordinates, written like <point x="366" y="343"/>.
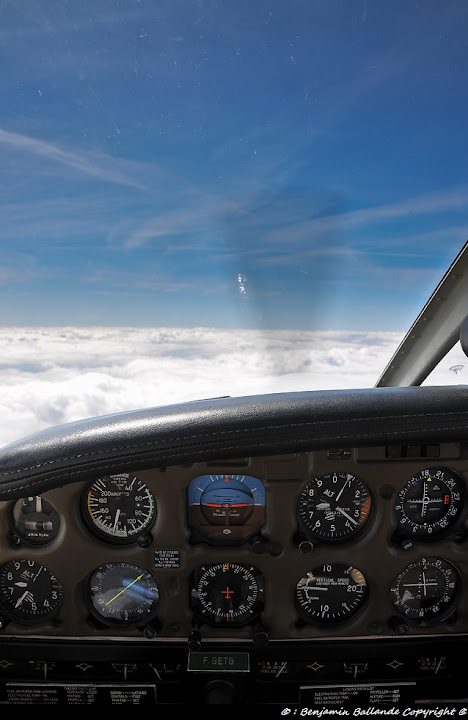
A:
<point x="426" y="590"/>
<point x="331" y="593"/>
<point x="122" y="594"/>
<point x="118" y="508"/>
<point x="429" y="504"/>
<point x="227" y="593"/>
<point x="29" y="593"/>
<point x="225" y="509"/>
<point x="334" y="507"/>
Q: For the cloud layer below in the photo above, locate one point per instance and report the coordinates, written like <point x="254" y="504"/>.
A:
<point x="50" y="376"/>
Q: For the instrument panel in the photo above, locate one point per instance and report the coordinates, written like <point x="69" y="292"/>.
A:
<point x="291" y="547"/>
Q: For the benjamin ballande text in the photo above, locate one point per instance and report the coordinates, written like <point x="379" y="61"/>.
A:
<point x="419" y="713"/>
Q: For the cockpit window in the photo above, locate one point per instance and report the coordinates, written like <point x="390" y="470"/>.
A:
<point x="204" y="199"/>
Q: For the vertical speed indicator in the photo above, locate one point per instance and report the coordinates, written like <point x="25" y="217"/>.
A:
<point x="331" y="593"/>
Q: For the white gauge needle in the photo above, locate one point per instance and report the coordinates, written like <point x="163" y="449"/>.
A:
<point x="282" y="668"/>
<point x="424" y="500"/>
<point x="341" y="491"/>
<point x="323" y="506"/>
<point x="117" y="515"/>
<point x="21" y="584"/>
<point x="340" y="510"/>
<point x="20" y="600"/>
<point x="35" y="576"/>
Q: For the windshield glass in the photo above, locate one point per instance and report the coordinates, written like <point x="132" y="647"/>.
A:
<point x="220" y="198"/>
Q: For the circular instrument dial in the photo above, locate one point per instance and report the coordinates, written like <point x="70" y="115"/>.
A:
<point x="35" y="520"/>
<point x="29" y="593"/>
<point x="118" y="508"/>
<point x="334" y="507"/>
<point x="426" y="590"/>
<point x="225" y="509"/>
<point x="429" y="504"/>
<point x="331" y="593"/>
<point x="123" y="594"/>
<point x="227" y="593"/>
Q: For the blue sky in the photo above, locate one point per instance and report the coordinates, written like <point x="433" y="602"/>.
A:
<point x="276" y="164"/>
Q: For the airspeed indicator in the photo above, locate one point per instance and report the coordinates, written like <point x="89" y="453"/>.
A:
<point x="118" y="508"/>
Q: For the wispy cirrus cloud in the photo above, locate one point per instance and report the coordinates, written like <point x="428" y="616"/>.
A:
<point x="453" y="199"/>
<point x="97" y="165"/>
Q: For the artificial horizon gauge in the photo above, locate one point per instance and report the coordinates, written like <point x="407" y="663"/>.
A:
<point x="225" y="509"/>
<point x="29" y="593"/>
<point x="426" y="590"/>
<point x="118" y="508"/>
<point x="334" y="507"/>
<point x="330" y="593"/>
<point x="429" y="504"/>
<point x="120" y="593"/>
<point x="227" y="593"/>
<point x="35" y="520"/>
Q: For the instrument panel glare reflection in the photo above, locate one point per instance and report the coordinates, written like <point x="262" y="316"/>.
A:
<point x="122" y="593"/>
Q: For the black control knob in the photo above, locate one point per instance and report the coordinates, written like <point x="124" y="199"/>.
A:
<point x="398" y="625"/>
<point x="305" y="546"/>
<point x="219" y="692"/>
<point x="194" y="641"/>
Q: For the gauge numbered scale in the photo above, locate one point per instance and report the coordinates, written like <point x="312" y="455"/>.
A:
<point x="120" y="593"/>
<point x="118" y="509"/>
<point x="227" y="593"/>
<point x="429" y="504"/>
<point x="330" y="593"/>
<point x="334" y="507"/>
<point x="29" y="593"/>
<point x="426" y="590"/>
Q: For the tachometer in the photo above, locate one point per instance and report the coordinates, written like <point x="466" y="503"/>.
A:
<point x="426" y="590"/>
<point x="334" y="507"/>
<point x="118" y="508"/>
<point x="227" y="593"/>
<point x="429" y="504"/>
<point x="29" y="593"/>
<point x="119" y="593"/>
<point x="331" y="593"/>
